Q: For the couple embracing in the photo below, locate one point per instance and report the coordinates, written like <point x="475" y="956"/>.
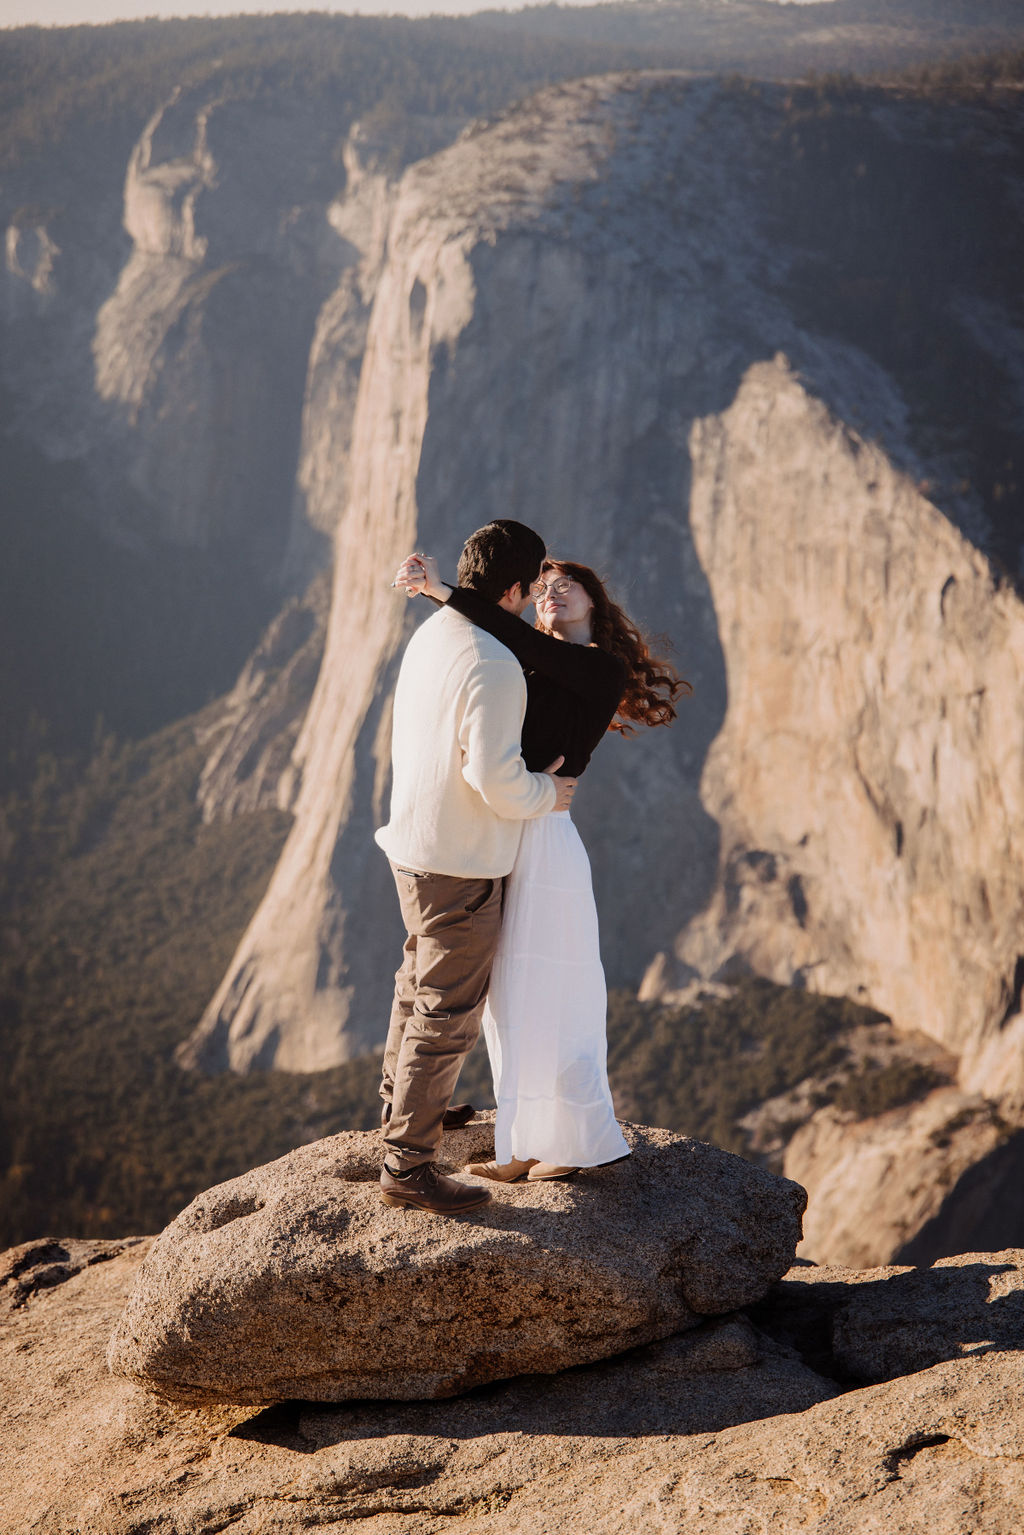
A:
<point x="494" y="722"/>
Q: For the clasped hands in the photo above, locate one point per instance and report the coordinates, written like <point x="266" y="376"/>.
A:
<point x="418" y="575"/>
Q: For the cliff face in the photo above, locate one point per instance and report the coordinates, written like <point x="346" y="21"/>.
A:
<point x="909" y="1185"/>
<point x="591" y="317"/>
<point x="157" y="330"/>
<point x="164" y="328"/>
<point x="200" y="353"/>
<point x="869" y="795"/>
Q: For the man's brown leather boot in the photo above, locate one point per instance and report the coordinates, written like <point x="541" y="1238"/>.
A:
<point x="424" y="1188"/>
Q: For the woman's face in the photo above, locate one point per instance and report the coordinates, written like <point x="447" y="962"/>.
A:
<point x="556" y="607"/>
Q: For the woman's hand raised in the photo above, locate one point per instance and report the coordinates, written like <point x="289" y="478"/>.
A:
<point x="417" y="574"/>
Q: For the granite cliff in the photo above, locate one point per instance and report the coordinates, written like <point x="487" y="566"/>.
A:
<point x="158" y="319"/>
<point x="204" y="342"/>
<point x="585" y="317"/>
<point x="180" y="364"/>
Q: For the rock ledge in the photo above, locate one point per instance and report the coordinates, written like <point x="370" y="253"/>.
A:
<point x="295" y="1281"/>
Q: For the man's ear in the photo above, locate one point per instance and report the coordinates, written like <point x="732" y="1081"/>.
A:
<point x="512" y="598"/>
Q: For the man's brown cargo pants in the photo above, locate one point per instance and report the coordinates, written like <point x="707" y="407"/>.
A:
<point x="453" y="926"/>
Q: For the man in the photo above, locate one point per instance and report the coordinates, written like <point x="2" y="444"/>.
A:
<point x="460" y="794"/>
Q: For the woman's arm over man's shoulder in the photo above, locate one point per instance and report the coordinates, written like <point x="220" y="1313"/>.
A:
<point x="583" y="669"/>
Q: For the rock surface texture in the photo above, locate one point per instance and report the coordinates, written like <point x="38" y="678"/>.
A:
<point x="297" y="1281"/>
<point x="721" y="1430"/>
<point x="971" y="1304"/>
<point x="863" y="755"/>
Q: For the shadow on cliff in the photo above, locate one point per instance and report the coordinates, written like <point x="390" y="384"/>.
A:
<point x="983" y="1211"/>
<point x="900" y="219"/>
<point x="634" y="1395"/>
<point x="858" y="1332"/>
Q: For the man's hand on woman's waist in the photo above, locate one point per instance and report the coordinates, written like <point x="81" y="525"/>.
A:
<point x="565" y="788"/>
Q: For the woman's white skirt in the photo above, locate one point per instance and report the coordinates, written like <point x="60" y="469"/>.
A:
<point x="546" y="1013"/>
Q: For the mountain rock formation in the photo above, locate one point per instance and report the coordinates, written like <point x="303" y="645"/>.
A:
<point x="867" y="795"/>
<point x="773" y="1417"/>
<point x="200" y="353"/>
<point x="158" y="321"/>
<point x="586" y="318"/>
<point x="189" y="392"/>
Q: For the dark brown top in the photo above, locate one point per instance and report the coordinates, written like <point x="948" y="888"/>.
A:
<point x="572" y="691"/>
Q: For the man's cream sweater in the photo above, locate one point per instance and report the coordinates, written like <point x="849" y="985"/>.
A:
<point x="461" y="790"/>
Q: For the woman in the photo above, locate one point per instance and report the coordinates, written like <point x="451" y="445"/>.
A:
<point x="588" y="670"/>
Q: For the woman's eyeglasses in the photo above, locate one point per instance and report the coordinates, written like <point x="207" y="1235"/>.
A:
<point x="559" y="586"/>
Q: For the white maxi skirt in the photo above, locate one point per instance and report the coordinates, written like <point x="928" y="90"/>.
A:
<point x="545" y="1018"/>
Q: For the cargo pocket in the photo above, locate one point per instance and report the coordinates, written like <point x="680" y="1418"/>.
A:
<point x="479" y="902"/>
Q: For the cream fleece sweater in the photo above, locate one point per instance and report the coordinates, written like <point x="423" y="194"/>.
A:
<point x="460" y="790"/>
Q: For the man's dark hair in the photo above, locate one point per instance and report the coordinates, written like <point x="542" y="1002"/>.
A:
<point x="500" y="555"/>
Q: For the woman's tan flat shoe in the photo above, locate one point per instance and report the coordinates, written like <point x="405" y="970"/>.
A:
<point x="500" y="1172"/>
<point x="542" y="1170"/>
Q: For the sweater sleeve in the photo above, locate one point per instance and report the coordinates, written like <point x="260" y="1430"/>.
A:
<point x="583" y="669"/>
<point x="494" y="702"/>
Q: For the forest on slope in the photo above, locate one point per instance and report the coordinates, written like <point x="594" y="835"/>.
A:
<point x="62" y="84"/>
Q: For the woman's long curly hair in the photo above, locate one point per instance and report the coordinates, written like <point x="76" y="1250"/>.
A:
<point x="652" y="683"/>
